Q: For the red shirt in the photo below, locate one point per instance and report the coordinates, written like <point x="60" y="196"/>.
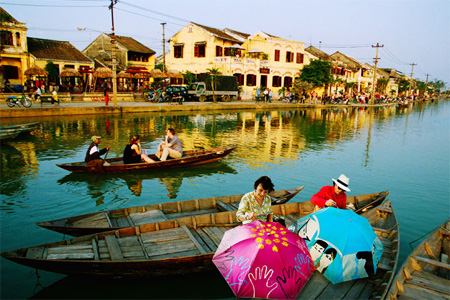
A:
<point x="326" y="193"/>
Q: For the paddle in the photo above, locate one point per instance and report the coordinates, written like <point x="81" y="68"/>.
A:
<point x="106" y="154"/>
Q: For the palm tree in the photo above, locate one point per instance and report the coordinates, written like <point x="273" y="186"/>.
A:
<point x="213" y="78"/>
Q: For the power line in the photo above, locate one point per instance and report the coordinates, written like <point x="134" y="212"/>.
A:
<point x="145" y="16"/>
<point x="48" y="5"/>
<point x="155" y="12"/>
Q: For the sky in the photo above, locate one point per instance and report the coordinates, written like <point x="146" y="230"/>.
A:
<point x="415" y="34"/>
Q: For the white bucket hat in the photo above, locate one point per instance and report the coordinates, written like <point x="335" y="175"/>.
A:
<point x="342" y="182"/>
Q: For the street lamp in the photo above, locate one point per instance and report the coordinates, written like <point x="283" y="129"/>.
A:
<point x="114" y="61"/>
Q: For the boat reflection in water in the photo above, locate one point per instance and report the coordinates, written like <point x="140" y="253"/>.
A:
<point x="171" y="179"/>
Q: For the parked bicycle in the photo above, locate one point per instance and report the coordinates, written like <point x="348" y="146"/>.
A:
<point x="24" y="101"/>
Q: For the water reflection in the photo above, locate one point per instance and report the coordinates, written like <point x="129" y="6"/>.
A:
<point x="264" y="137"/>
<point x="96" y="184"/>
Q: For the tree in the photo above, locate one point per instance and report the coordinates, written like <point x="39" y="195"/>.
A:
<point x="52" y="71"/>
<point x="318" y="72"/>
<point x="189" y="77"/>
<point x="213" y="74"/>
<point x="403" y="85"/>
<point x="381" y="85"/>
<point x="300" y="87"/>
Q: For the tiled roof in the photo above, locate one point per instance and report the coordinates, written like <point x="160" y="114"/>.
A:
<point x="238" y="33"/>
<point x="318" y="53"/>
<point x="6" y="17"/>
<point x="55" y="50"/>
<point x="132" y="45"/>
<point x="219" y="33"/>
<point x="350" y="61"/>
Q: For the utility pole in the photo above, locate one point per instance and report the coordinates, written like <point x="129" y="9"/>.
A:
<point x="164" y="48"/>
<point x="374" y="81"/>
<point x="426" y="84"/>
<point x="412" y="72"/>
<point x="113" y="53"/>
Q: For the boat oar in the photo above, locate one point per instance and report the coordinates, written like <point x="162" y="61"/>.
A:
<point x="106" y="154"/>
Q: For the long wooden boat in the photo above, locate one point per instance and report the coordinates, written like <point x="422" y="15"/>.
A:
<point x="425" y="274"/>
<point x="11" y="130"/>
<point x="138" y="215"/>
<point x="34" y="125"/>
<point x="189" y="158"/>
<point x="187" y="245"/>
<point x="7" y="136"/>
<point x="383" y="221"/>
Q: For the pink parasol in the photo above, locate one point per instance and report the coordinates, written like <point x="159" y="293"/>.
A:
<point x="264" y="260"/>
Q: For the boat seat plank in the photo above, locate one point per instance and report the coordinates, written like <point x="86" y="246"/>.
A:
<point x="151" y="216"/>
<point x="214" y="233"/>
<point x="205" y="238"/>
<point x="195" y="241"/>
<point x="336" y="289"/>
<point x="314" y="286"/>
<point x="81" y="256"/>
<point x="177" y="254"/>
<point x="430" y="284"/>
<point x="431" y="277"/>
<point x="95" y="249"/>
<point x="36" y="252"/>
<point x="171" y="234"/>
<point x="99" y="219"/>
<point x="113" y="247"/>
<point x="417" y="292"/>
<point x="224" y="206"/>
<point x="191" y="213"/>
<point x="170" y="247"/>
<point x="355" y="291"/>
<point x="432" y="262"/>
<point x="122" y="222"/>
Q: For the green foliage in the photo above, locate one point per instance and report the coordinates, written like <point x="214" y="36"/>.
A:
<point x="318" y="72"/>
<point x="403" y="85"/>
<point x="282" y="91"/>
<point x="52" y="71"/>
<point x="300" y="86"/>
<point x="189" y="77"/>
<point x="159" y="66"/>
<point x="213" y="74"/>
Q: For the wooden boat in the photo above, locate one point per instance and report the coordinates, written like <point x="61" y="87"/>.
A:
<point x="138" y="215"/>
<point x="5" y="137"/>
<point x="34" y="125"/>
<point x="383" y="221"/>
<point x="11" y="130"/>
<point x="189" y="158"/>
<point x="425" y="274"/>
<point x="187" y="245"/>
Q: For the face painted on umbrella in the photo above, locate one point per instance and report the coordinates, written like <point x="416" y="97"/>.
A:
<point x="309" y="229"/>
<point x="326" y="259"/>
<point x="317" y="249"/>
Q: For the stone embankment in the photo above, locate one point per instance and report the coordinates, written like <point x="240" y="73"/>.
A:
<point x="87" y="108"/>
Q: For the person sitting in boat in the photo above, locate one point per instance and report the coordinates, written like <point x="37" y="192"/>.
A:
<point x="133" y="153"/>
<point x="256" y="205"/>
<point x="93" y="153"/>
<point x="332" y="195"/>
<point x="170" y="147"/>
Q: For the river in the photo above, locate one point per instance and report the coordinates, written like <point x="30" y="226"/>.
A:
<point x="405" y="151"/>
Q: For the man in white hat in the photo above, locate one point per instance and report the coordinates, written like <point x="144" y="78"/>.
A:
<point x="93" y="153"/>
<point x="332" y="195"/>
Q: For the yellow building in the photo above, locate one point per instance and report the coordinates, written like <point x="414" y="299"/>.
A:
<point x="257" y="60"/>
<point x="14" y="58"/>
<point x="129" y="52"/>
<point x="63" y="54"/>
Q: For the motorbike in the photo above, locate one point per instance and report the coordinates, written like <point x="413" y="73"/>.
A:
<point x="23" y="100"/>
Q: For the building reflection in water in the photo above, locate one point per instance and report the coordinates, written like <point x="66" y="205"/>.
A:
<point x="262" y="137"/>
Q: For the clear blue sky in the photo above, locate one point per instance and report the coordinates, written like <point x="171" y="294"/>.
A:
<point x="412" y="31"/>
